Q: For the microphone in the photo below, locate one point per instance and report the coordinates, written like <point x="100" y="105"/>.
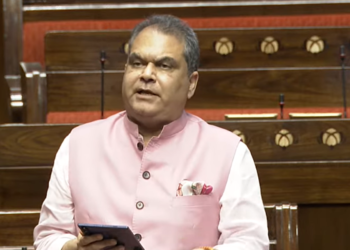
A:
<point x="281" y="104"/>
<point x="342" y="58"/>
<point x="102" y="60"/>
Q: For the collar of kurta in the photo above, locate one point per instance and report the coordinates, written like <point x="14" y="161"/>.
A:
<point x="167" y="131"/>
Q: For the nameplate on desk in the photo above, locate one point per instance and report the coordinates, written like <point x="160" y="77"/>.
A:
<point x="314" y="115"/>
<point x="271" y="116"/>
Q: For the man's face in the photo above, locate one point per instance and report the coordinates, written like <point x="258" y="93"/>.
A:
<point x="156" y="83"/>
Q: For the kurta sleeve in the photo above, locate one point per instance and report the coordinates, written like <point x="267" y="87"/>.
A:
<point x="56" y="224"/>
<point x="243" y="222"/>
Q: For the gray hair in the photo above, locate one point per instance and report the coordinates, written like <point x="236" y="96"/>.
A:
<point x="172" y="25"/>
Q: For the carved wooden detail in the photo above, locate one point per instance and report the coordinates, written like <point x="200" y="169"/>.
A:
<point x="269" y="45"/>
<point x="240" y="134"/>
<point x="284" y="138"/>
<point x="126" y="48"/>
<point x="331" y="137"/>
<point x="224" y="46"/>
<point x="315" y="45"/>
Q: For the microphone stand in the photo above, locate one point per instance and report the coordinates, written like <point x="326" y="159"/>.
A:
<point x="281" y="105"/>
<point x="102" y="60"/>
<point x="342" y="57"/>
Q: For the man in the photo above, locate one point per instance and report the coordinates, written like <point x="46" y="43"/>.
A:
<point x="176" y="181"/>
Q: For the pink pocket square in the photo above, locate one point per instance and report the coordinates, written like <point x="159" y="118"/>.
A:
<point x="187" y="188"/>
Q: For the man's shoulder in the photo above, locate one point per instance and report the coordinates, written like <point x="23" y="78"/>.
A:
<point x="99" y="124"/>
<point x="209" y="129"/>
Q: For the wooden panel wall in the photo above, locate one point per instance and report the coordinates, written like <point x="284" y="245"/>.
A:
<point x="23" y="187"/>
<point x="225" y="90"/>
<point x="80" y="50"/>
<point x="334" y="221"/>
<point x="16" y="229"/>
<point x="246" y="78"/>
<point x="139" y="9"/>
<point x="30" y="145"/>
<point x="306" y="138"/>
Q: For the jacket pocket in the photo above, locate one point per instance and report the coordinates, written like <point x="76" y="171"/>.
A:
<point x="194" y="201"/>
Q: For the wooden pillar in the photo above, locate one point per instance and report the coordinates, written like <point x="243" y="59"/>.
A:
<point x="4" y="90"/>
<point x="13" y="43"/>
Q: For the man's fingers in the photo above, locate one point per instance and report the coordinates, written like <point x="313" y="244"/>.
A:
<point x="96" y="242"/>
<point x="104" y="243"/>
<point x="118" y="248"/>
<point x="87" y="240"/>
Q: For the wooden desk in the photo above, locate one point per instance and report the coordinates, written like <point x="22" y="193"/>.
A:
<point x="307" y="172"/>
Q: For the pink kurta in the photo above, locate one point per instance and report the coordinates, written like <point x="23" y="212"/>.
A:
<point x="114" y="179"/>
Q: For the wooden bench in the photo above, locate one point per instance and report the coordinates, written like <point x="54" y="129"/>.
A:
<point x="286" y="152"/>
<point x="26" y="158"/>
<point x="16" y="227"/>
<point x="243" y="80"/>
<point x="19" y="12"/>
<point x="308" y="172"/>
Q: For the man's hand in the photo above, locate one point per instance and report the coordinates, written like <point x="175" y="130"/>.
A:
<point x="93" y="242"/>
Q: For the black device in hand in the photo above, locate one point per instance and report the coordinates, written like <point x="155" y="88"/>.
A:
<point x="122" y="234"/>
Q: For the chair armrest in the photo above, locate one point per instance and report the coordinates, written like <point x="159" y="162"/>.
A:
<point x="283" y="226"/>
<point x="34" y="92"/>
